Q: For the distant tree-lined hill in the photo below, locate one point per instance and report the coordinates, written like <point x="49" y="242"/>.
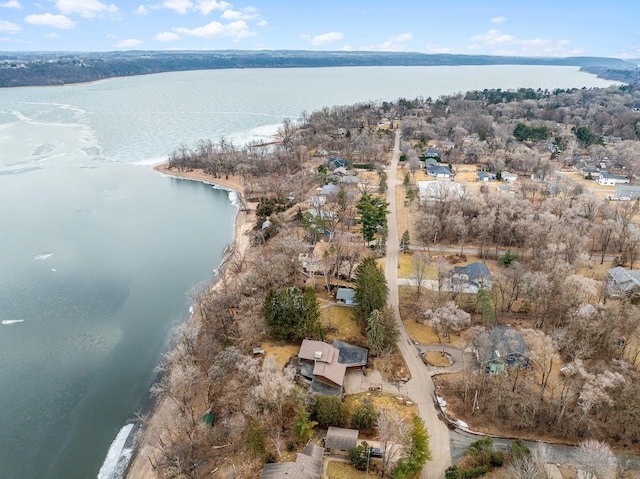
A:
<point x="38" y="69"/>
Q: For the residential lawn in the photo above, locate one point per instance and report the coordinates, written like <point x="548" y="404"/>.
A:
<point x="343" y="470"/>
<point x="406" y="268"/>
<point x="420" y="332"/>
<point x="338" y="322"/>
<point x="382" y="400"/>
<point x="280" y="351"/>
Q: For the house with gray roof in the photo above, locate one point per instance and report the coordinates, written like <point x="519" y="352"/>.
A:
<point x="337" y="162"/>
<point x="353" y="357"/>
<point x="621" y="282"/>
<point x="607" y="179"/>
<point x="346" y="295"/>
<point x="501" y="347"/>
<point x="323" y="366"/>
<point x="432" y="153"/>
<point x="439" y="171"/>
<point x="339" y="439"/>
<point x="483" y="176"/>
<point x="308" y="465"/>
<point x="472" y="277"/>
<point x="627" y="192"/>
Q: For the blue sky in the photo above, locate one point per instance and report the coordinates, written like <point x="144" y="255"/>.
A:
<point x="536" y="28"/>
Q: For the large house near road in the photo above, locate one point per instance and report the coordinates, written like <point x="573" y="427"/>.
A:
<point x="439" y="171"/>
<point x="323" y="366"/>
<point x="607" y="179"/>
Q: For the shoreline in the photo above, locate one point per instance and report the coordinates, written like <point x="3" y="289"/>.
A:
<point x="140" y="466"/>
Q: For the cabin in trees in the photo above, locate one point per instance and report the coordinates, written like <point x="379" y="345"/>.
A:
<point x="501" y="347"/>
<point x="471" y="278"/>
<point x="337" y="162"/>
<point x="623" y="282"/>
<point x="483" y="176"/>
<point x="323" y="366"/>
<point x="308" y="465"/>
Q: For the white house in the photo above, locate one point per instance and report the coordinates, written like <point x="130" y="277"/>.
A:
<point x="607" y="179"/>
<point x="508" y="177"/>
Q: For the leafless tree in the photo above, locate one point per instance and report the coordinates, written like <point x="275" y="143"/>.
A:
<point x="596" y="460"/>
<point x="420" y="266"/>
<point x="392" y="433"/>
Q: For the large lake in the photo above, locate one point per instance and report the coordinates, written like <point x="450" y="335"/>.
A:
<point x="97" y="252"/>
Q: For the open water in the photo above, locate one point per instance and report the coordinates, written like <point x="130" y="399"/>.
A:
<point x="97" y="252"/>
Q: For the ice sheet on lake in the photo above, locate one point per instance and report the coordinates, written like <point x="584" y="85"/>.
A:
<point x="118" y="456"/>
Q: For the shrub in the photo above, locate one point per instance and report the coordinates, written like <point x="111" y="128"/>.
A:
<point x="496" y="459"/>
<point x="519" y="449"/>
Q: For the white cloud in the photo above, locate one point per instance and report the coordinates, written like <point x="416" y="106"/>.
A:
<point x="397" y="43"/>
<point x="128" y="43"/>
<point x="493" y="37"/>
<point x="180" y="6"/>
<point x="326" y="38"/>
<point x="347" y="48"/>
<point x="498" y="19"/>
<point x="47" y="19"/>
<point x="207" y="6"/>
<point x="85" y="8"/>
<point x="262" y="23"/>
<point x="167" y="37"/>
<point x="249" y="13"/>
<point x="496" y="43"/>
<point x="142" y="10"/>
<point x="8" y="27"/>
<point x="11" y="4"/>
<point x="236" y="30"/>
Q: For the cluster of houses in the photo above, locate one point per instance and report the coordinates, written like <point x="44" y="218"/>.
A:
<point x="601" y="172"/>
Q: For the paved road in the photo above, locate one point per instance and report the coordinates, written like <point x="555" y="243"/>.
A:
<point x="420" y="388"/>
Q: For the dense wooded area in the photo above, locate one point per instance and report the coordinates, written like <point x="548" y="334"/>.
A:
<point x="543" y="240"/>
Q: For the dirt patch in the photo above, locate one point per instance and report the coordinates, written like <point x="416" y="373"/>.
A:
<point x="281" y="352"/>
<point x="391" y="367"/>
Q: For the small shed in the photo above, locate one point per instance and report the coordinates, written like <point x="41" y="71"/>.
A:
<point x="340" y="439"/>
<point x="346" y="296"/>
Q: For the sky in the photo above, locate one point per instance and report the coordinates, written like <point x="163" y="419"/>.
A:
<point x="537" y="28"/>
